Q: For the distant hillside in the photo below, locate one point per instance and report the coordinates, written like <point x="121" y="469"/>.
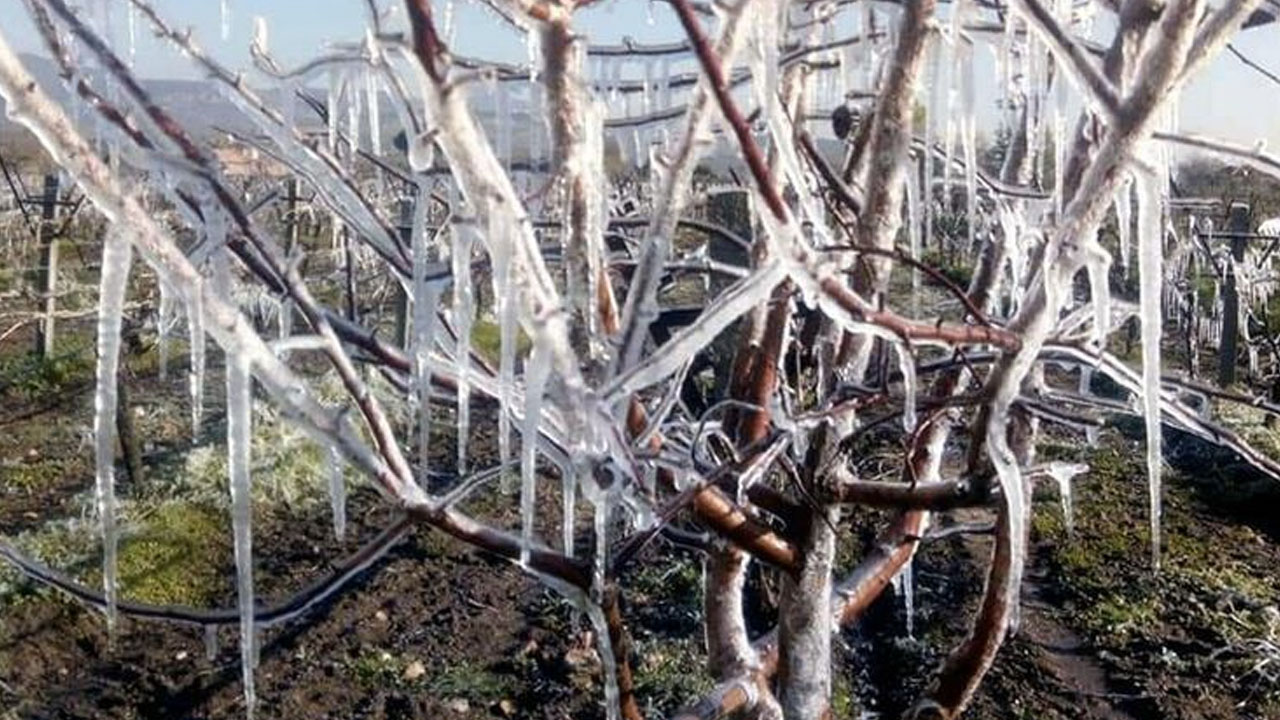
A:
<point x="195" y="103"/>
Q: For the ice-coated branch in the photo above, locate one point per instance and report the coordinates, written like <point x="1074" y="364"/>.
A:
<point x="1070" y="55"/>
<point x="32" y="107"/>
<point x="277" y="268"/>
<point x="1065" y="254"/>
<point x="640" y="306"/>
<point x="488" y="191"/>
<point x="311" y="161"/>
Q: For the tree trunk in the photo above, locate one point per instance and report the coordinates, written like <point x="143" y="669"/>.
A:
<point x="126" y="431"/>
<point x="805" y="627"/>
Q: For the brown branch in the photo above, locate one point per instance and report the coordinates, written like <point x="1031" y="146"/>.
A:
<point x="852" y="597"/>
<point x="737" y="122"/>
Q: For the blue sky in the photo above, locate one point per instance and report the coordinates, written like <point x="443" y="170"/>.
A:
<point x="1229" y="100"/>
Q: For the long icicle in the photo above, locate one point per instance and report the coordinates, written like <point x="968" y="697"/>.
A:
<point x="117" y="256"/>
<point x="1150" y="274"/>
<point x="238" y="441"/>
<point x="536" y="375"/>
<point x="426" y="301"/>
<point x="195" y="327"/>
<point x="463" y="309"/>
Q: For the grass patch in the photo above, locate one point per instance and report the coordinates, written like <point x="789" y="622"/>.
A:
<point x="169" y="562"/>
<point x="29" y="376"/>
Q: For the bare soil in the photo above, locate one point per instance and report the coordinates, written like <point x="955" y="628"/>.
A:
<point x="437" y="631"/>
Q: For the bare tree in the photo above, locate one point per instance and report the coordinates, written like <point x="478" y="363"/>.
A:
<point x="596" y="404"/>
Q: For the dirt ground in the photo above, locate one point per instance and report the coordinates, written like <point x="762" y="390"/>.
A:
<point x="436" y="631"/>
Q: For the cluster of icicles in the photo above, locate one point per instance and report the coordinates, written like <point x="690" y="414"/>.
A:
<point x="648" y="90"/>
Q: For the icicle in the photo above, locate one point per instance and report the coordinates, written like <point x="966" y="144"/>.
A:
<point x="1150" y="275"/>
<point x="226" y="19"/>
<point x="239" y="438"/>
<point x="355" y="111"/>
<point x="909" y="595"/>
<point x="463" y="310"/>
<point x="132" y="16"/>
<point x="1062" y="474"/>
<point x="505" y="293"/>
<point x="646" y="93"/>
<point x="914" y="230"/>
<point x="426" y="301"/>
<point x="608" y="664"/>
<point x="1098" y="269"/>
<point x="117" y="256"/>
<point x="422" y="152"/>
<point x="969" y="144"/>
<point x="665" y="74"/>
<point x="337" y="80"/>
<point x="337" y="493"/>
<point x="603" y="508"/>
<point x="195" y="325"/>
<point x="211" y="642"/>
<point x="374" y="111"/>
<point x="1123" y="224"/>
<point x="569" y="501"/>
<point x="163" y="323"/>
<point x="502" y="103"/>
<point x="535" y="381"/>
<point x="930" y="139"/>
<point x="907" y="364"/>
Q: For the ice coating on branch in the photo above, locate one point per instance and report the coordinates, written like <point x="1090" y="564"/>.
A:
<point x="535" y="380"/>
<point x="1015" y="498"/>
<point x="463" y="314"/>
<point x="337" y="493"/>
<point x="239" y="438"/>
<point x="117" y="256"/>
<point x="763" y="58"/>
<point x="1150" y="272"/>
<point x="608" y="664"/>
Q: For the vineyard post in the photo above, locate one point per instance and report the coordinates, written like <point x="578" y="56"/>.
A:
<point x="1237" y="225"/>
<point x="47" y="278"/>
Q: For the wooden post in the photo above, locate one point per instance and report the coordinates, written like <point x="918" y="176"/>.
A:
<point x="1238" y="225"/>
<point x="47" y="279"/>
